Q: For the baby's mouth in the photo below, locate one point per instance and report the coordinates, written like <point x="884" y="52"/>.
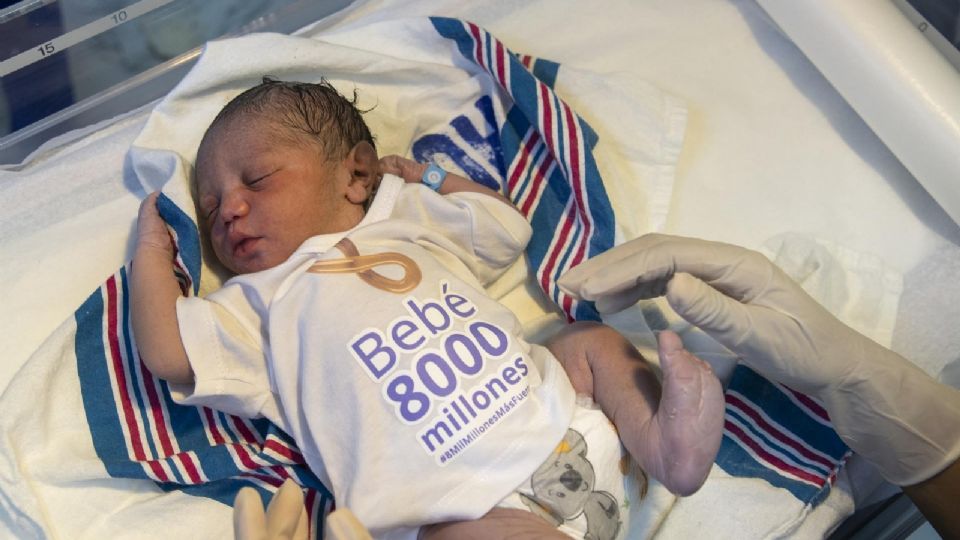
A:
<point x="245" y="246"/>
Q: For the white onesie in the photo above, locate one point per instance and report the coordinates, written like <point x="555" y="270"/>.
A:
<point x="410" y="392"/>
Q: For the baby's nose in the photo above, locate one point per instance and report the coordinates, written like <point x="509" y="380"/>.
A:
<point x="233" y="207"/>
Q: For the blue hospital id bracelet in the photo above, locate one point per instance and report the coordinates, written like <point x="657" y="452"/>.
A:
<point x="433" y="177"/>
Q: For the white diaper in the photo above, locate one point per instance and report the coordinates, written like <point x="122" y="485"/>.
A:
<point x="580" y="487"/>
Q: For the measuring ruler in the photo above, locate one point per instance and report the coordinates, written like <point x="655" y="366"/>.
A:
<point x="85" y="32"/>
<point x="21" y="8"/>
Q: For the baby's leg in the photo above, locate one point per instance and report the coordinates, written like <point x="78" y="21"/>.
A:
<point x="496" y="524"/>
<point x="673" y="432"/>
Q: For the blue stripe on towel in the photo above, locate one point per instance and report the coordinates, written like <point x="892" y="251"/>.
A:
<point x="188" y="237"/>
<point x="546" y="71"/>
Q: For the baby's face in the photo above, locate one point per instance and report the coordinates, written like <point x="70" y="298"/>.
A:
<point x="261" y="196"/>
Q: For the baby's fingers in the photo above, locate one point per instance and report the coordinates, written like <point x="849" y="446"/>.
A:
<point x="149" y="204"/>
<point x="148" y="217"/>
<point x="151" y="229"/>
<point x="405" y="168"/>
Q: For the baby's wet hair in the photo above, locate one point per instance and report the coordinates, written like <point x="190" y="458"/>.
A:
<point x="314" y="110"/>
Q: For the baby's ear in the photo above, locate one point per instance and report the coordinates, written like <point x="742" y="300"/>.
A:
<point x="364" y="166"/>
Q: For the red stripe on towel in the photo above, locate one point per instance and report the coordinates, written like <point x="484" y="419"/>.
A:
<point x="186" y="459"/>
<point x="212" y="428"/>
<point x="126" y="405"/>
<point x="576" y="180"/>
<point x="520" y="163"/>
<point x="558" y="247"/>
<point x="156" y="411"/>
<point x="289" y="453"/>
<point x="478" y="45"/>
<point x="544" y="104"/>
<point x="809" y="403"/>
<point x="745" y="439"/>
<point x="785" y="438"/>
<point x="501" y="63"/>
<point x="538" y="182"/>
<point x="244" y="430"/>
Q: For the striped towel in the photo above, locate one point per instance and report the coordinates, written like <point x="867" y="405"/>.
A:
<point x="781" y="436"/>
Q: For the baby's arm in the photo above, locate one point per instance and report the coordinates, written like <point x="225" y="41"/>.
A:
<point x="154" y="291"/>
<point x="411" y="172"/>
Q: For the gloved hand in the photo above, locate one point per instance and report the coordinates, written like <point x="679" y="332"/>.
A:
<point x="286" y="517"/>
<point x="886" y="409"/>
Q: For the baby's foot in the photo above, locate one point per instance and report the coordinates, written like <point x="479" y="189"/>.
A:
<point x="678" y="444"/>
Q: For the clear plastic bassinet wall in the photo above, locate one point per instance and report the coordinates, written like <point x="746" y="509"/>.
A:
<point x="897" y="63"/>
<point x="65" y="64"/>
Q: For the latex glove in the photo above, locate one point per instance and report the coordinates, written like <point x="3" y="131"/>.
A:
<point x="285" y="518"/>
<point x="341" y="524"/>
<point x="885" y="408"/>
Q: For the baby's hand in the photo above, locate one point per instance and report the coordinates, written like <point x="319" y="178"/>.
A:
<point x="151" y="229"/>
<point x="409" y="170"/>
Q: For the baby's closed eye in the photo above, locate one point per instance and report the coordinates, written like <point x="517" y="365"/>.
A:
<point x="256" y="180"/>
<point x="208" y="206"/>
